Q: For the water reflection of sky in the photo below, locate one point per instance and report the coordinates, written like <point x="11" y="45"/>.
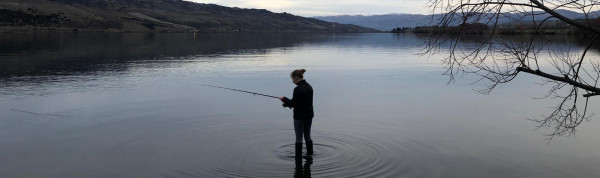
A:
<point x="381" y="110"/>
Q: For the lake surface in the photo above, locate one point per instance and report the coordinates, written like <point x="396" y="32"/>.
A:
<point x="133" y="105"/>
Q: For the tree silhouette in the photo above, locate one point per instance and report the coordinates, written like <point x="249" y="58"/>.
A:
<point x="497" y="59"/>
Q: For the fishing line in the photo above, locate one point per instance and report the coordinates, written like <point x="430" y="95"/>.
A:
<point x="243" y="91"/>
<point x="39" y="114"/>
<point x="243" y="162"/>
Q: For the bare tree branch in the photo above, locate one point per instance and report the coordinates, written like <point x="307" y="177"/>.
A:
<point x="497" y="58"/>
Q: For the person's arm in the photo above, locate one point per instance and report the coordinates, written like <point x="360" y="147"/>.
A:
<point x="291" y="102"/>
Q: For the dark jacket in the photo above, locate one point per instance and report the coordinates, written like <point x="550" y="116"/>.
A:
<point x="302" y="102"/>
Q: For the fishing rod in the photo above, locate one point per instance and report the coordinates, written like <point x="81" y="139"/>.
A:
<point x="232" y="89"/>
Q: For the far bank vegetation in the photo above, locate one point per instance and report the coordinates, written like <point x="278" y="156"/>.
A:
<point x="549" y="28"/>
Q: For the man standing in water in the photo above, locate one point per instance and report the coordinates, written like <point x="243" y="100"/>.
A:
<point x="302" y="102"/>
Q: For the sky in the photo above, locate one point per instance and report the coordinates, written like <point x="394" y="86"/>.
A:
<point x="309" y="8"/>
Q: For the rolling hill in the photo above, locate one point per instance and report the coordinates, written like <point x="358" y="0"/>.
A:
<point x="152" y="16"/>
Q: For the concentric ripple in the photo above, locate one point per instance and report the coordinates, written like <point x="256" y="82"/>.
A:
<point x="260" y="152"/>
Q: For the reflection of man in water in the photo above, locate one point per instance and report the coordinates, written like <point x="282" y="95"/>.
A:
<point x="301" y="171"/>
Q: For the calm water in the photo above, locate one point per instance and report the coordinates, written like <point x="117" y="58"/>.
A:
<point x="133" y="105"/>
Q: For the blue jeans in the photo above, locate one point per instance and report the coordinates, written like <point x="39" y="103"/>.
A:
<point x="302" y="127"/>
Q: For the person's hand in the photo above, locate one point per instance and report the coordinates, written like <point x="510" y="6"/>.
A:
<point x="286" y="105"/>
<point x="286" y="102"/>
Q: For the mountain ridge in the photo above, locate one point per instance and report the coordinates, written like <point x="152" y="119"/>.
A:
<point x="387" y="22"/>
<point x="153" y="16"/>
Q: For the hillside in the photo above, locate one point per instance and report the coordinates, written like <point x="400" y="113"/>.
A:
<point x="387" y="22"/>
<point x="152" y="16"/>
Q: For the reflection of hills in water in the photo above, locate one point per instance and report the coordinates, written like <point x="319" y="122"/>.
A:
<point x="64" y="53"/>
<point x="50" y="53"/>
<point x="550" y="43"/>
<point x="41" y="54"/>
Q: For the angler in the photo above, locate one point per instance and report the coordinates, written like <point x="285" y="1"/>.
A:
<point x="302" y="103"/>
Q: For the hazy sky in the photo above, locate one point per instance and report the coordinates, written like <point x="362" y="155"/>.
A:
<point x="329" y="7"/>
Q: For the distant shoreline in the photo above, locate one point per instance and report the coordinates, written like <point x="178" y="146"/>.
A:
<point x="10" y="29"/>
<point x="478" y="28"/>
<point x="516" y="32"/>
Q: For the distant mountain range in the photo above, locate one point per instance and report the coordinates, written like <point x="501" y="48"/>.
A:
<point x="152" y="16"/>
<point x="387" y="22"/>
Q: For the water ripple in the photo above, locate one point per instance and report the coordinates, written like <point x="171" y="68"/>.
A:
<point x="336" y="154"/>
